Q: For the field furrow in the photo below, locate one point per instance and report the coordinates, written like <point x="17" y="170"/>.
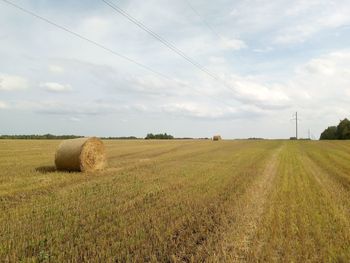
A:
<point x="238" y="237"/>
<point x="303" y="222"/>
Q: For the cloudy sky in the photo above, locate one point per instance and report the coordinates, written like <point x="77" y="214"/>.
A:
<point x="263" y="59"/>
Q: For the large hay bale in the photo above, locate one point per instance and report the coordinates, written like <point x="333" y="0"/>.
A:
<point x="83" y="154"/>
<point x="216" y="138"/>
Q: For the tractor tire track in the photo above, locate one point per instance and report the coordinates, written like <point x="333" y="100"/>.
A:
<point x="236" y="244"/>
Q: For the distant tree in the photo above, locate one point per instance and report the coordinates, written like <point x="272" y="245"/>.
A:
<point x="159" y="136"/>
<point x="340" y="132"/>
<point x="343" y="130"/>
<point x="329" y="134"/>
<point x="149" y="136"/>
<point x="119" y="138"/>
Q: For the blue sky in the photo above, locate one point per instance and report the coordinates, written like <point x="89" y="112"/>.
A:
<point x="271" y="58"/>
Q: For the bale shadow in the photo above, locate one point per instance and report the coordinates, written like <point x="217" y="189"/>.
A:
<point x="46" y="169"/>
<point x="52" y="169"/>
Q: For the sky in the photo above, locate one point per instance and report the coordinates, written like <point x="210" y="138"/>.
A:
<point x="262" y="61"/>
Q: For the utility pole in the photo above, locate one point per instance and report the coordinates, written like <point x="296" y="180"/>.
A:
<point x="296" y="125"/>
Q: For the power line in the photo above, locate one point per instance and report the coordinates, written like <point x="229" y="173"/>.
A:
<point x="103" y="47"/>
<point x="160" y="39"/>
<point x="203" y="20"/>
<point x="211" y="28"/>
<point x="86" y="39"/>
<point x="168" y="44"/>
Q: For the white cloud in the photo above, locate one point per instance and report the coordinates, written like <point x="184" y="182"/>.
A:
<point x="96" y="26"/>
<point x="193" y="110"/>
<point x="333" y="66"/>
<point x="56" y="69"/>
<point x="12" y="82"/>
<point x="252" y="91"/>
<point x="217" y="60"/>
<point x="3" y="105"/>
<point x="263" y="50"/>
<point x="324" y="80"/>
<point x="74" y="119"/>
<point x="75" y="110"/>
<point x="207" y="111"/>
<point x="234" y="12"/>
<point x="56" y="87"/>
<point x="232" y="44"/>
<point x="286" y="22"/>
<point x="321" y="66"/>
<point x="309" y="19"/>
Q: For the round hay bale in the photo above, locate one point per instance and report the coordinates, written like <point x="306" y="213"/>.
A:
<point x="216" y="138"/>
<point x="82" y="154"/>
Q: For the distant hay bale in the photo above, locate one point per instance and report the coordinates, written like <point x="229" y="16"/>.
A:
<point x="83" y="154"/>
<point x="216" y="138"/>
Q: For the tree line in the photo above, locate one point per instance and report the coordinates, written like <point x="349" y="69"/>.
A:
<point x="48" y="136"/>
<point x="40" y="137"/>
<point x="59" y="137"/>
<point x="340" y="132"/>
<point x="160" y="136"/>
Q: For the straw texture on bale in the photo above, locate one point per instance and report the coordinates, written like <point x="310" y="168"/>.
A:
<point x="82" y="154"/>
<point x="216" y="138"/>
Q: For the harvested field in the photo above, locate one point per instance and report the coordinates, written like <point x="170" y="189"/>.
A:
<point x="178" y="201"/>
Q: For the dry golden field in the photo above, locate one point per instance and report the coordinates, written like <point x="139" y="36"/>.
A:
<point x="178" y="201"/>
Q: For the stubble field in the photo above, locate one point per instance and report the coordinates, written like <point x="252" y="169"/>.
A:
<point x="178" y="201"/>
